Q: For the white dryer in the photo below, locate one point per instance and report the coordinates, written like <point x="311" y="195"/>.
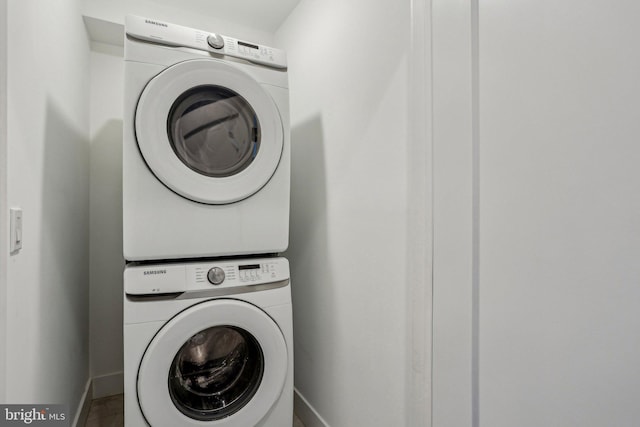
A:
<point x="208" y="344"/>
<point x="206" y="156"/>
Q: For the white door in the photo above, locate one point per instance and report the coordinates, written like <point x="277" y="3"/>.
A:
<point x="219" y="363"/>
<point x="536" y="213"/>
<point x="209" y="131"/>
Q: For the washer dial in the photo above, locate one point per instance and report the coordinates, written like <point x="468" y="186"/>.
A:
<point x="216" y="276"/>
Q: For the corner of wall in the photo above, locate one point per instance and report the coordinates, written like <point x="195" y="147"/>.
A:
<point x="307" y="413"/>
<point x="82" y="411"/>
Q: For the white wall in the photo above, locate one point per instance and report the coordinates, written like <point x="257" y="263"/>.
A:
<point x="552" y="307"/>
<point x="48" y="154"/>
<point x="349" y="109"/>
<point x="106" y="261"/>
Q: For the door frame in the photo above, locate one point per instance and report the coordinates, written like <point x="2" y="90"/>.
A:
<point x="419" y="292"/>
<point x="4" y="209"/>
<point x="455" y="211"/>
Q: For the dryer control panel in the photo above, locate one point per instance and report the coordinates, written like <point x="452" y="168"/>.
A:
<point x="167" y="34"/>
<point x="173" y="278"/>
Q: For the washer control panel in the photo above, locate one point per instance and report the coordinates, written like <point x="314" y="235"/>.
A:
<point x="194" y="277"/>
<point x="247" y="273"/>
<point x="167" y="34"/>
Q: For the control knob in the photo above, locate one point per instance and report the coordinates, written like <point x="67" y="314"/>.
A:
<point x="216" y="276"/>
<point x="215" y="41"/>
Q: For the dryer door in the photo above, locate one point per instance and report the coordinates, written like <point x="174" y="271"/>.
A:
<point x="219" y="363"/>
<point x="208" y="131"/>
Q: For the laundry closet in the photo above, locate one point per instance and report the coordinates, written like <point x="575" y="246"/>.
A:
<point x="463" y="211"/>
<point x="338" y="183"/>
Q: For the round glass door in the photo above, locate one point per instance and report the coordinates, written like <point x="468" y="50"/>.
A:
<point x="221" y="362"/>
<point x="214" y="131"/>
<point x="215" y="373"/>
<point x="209" y="131"/>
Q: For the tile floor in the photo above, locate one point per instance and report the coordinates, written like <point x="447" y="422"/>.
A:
<point x="106" y="412"/>
<point x="296" y="421"/>
<point x="109" y="412"/>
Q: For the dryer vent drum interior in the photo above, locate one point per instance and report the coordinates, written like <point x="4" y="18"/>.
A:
<point x="215" y="373"/>
<point x="214" y="131"/>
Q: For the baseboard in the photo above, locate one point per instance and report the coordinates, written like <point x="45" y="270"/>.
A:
<point x="83" y="407"/>
<point x="307" y="414"/>
<point x="108" y="385"/>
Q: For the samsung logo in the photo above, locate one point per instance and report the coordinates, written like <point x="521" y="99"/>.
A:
<point x="160" y="24"/>
<point x="147" y="272"/>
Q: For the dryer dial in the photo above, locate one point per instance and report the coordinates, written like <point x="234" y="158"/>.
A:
<point x="216" y="276"/>
<point x="215" y="41"/>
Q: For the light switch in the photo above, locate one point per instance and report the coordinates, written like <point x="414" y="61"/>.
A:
<point x="15" y="219"/>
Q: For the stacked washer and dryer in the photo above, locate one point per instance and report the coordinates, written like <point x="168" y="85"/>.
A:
<point x="206" y="173"/>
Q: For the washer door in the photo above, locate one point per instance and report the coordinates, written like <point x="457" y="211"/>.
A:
<point x="219" y="363"/>
<point x="209" y="131"/>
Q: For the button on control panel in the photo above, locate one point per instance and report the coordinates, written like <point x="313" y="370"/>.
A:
<point x="215" y="41"/>
<point x="254" y="52"/>
<point x="216" y="276"/>
<point x="256" y="272"/>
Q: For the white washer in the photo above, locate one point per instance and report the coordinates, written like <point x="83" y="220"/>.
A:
<point x="206" y="156"/>
<point x="208" y="344"/>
